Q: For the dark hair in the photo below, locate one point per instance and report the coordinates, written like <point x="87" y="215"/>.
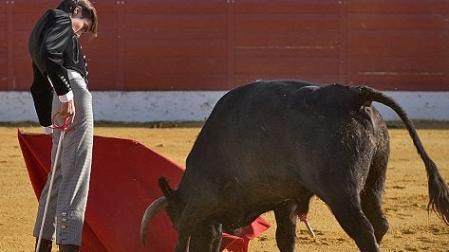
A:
<point x="68" y="5"/>
<point x="88" y="11"/>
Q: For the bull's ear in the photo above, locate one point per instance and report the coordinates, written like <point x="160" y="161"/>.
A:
<point x="165" y="187"/>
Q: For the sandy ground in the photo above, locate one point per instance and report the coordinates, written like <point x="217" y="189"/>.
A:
<point x="405" y="199"/>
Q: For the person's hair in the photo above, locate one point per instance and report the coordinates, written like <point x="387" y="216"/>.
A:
<point x="88" y="11"/>
<point x="68" y="5"/>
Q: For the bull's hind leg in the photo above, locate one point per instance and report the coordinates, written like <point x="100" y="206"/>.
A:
<point x="372" y="194"/>
<point x="371" y="202"/>
<point x="285" y="214"/>
<point x="349" y="214"/>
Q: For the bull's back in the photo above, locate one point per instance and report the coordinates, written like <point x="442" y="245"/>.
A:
<point x="272" y="134"/>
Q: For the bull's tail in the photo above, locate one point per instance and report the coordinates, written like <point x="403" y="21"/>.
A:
<point x="438" y="189"/>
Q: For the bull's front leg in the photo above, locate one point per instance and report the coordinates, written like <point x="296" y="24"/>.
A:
<point x="285" y="214"/>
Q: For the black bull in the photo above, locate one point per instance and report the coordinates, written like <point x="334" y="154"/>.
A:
<point x="271" y="145"/>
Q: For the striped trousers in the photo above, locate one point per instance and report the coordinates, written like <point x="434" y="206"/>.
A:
<point x="65" y="214"/>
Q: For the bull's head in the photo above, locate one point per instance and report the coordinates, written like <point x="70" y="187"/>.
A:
<point x="171" y="202"/>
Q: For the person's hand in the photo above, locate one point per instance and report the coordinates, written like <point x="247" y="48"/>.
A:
<point x="67" y="109"/>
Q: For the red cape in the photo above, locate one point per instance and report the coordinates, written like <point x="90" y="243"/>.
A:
<point x="123" y="183"/>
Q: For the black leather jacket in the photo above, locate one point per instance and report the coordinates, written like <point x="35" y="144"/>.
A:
<point x="54" y="48"/>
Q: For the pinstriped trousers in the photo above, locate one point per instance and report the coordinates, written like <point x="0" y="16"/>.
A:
<point x="65" y="214"/>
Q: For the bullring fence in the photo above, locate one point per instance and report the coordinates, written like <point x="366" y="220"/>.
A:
<point x="171" y="60"/>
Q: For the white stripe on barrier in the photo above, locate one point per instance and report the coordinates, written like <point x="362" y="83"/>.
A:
<point x="196" y="106"/>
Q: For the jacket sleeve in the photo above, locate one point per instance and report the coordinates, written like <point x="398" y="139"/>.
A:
<point x="42" y="94"/>
<point x="54" y="44"/>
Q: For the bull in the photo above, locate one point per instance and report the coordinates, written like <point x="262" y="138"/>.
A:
<point x="271" y="145"/>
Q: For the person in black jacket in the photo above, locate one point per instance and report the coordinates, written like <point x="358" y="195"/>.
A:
<point x="60" y="87"/>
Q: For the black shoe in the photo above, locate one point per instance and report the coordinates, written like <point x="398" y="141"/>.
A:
<point x="44" y="247"/>
<point x="69" y="248"/>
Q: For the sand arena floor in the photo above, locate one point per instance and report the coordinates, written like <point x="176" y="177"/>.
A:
<point x="405" y="199"/>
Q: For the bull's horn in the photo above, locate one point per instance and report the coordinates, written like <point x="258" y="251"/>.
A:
<point x="309" y="228"/>
<point x="303" y="218"/>
<point x="150" y="212"/>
